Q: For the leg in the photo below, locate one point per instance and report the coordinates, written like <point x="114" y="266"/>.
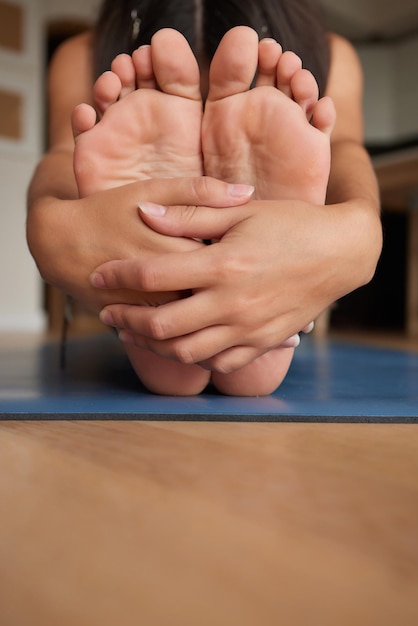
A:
<point x="145" y="133"/>
<point x="276" y="137"/>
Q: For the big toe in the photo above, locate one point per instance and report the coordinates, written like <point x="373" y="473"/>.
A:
<point x="175" y="67"/>
<point x="234" y="64"/>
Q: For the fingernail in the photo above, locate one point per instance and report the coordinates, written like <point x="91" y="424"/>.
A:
<point x="292" y="342"/>
<point x="107" y="318"/>
<point x="97" y="280"/>
<point x="150" y="208"/>
<point x="309" y="328"/>
<point x="125" y="336"/>
<point x="240" y="191"/>
<point x="296" y="339"/>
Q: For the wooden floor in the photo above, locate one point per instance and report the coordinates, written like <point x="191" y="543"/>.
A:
<point x="208" y="524"/>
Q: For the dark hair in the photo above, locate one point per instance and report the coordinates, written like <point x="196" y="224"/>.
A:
<point x="296" y="24"/>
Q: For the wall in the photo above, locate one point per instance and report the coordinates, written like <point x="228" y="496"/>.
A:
<point x="390" y="110"/>
<point x="65" y="9"/>
<point x="379" y="101"/>
<point x="21" y="299"/>
<point x="391" y="90"/>
<point x="406" y="88"/>
<point x="20" y="72"/>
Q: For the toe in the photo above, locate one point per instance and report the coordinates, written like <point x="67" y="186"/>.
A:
<point x="288" y="64"/>
<point x="174" y="64"/>
<point x="82" y="119"/>
<point x="269" y="52"/>
<point x="234" y="64"/>
<point x="304" y="90"/>
<point x="324" y="115"/>
<point x="124" y="68"/>
<point x="142" y="60"/>
<point x="106" y="91"/>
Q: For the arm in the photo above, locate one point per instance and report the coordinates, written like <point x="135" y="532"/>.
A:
<point x="352" y="187"/>
<point x="69" y="236"/>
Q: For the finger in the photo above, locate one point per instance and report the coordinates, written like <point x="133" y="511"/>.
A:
<point x="231" y="360"/>
<point x="292" y="342"/>
<point x="308" y="328"/>
<point x="225" y="362"/>
<point x="209" y="346"/>
<point x="239" y="356"/>
<point x="199" y="190"/>
<point x="169" y="272"/>
<point x="189" y="349"/>
<point x="190" y="221"/>
<point x="174" y="319"/>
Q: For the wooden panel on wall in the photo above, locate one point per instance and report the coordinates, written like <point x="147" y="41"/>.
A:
<point x="11" y="26"/>
<point x="11" y="106"/>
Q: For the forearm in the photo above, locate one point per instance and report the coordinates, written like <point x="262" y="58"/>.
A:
<point x="52" y="182"/>
<point x="69" y="237"/>
<point x="353" y="192"/>
<point x="53" y="178"/>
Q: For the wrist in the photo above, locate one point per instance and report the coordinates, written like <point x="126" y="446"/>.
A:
<point x="360" y="237"/>
<point x="44" y="228"/>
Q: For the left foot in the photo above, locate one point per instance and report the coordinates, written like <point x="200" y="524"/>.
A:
<point x="143" y="133"/>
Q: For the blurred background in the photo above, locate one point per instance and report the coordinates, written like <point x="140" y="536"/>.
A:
<point x="385" y="34"/>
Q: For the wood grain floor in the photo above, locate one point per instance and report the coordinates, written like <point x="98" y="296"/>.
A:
<point x="170" y="524"/>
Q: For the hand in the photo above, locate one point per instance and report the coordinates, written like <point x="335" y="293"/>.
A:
<point x="275" y="267"/>
<point x="69" y="238"/>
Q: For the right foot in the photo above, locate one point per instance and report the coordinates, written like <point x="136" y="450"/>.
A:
<point x="275" y="136"/>
<point x="143" y="132"/>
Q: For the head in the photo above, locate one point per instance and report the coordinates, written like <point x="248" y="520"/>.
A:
<point x="295" y="24"/>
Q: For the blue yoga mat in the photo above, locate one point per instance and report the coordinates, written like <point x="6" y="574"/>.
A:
<point x="327" y="382"/>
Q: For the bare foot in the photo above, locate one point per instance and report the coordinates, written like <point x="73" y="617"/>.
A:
<point x="275" y="137"/>
<point x="142" y="133"/>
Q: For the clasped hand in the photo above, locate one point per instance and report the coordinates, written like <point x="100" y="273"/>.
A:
<point x="248" y="292"/>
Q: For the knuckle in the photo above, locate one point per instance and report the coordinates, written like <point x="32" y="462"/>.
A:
<point x="183" y="354"/>
<point x="232" y="267"/>
<point x="156" y="328"/>
<point x="201" y="189"/>
<point x="146" y="277"/>
<point x="121" y="318"/>
<point x="222" y="364"/>
<point x="187" y="214"/>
